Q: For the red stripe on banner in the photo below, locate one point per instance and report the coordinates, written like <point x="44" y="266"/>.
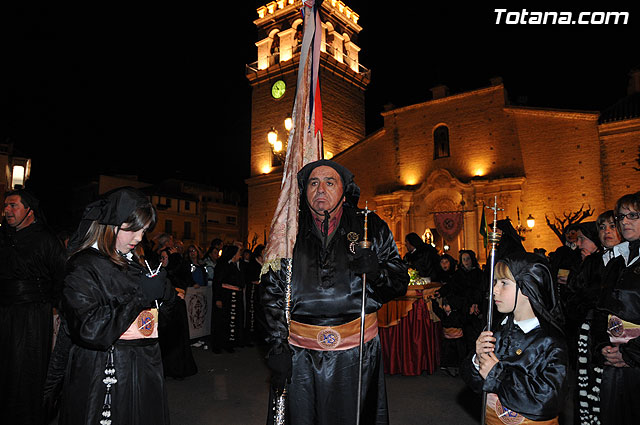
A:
<point x="317" y="107"/>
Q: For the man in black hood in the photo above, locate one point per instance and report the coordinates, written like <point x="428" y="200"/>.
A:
<point x="318" y="353"/>
<point x="31" y="272"/>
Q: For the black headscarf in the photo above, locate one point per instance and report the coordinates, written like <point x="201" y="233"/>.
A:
<point x="113" y="208"/>
<point x="415" y="241"/>
<point x="590" y="230"/>
<point x="533" y="277"/>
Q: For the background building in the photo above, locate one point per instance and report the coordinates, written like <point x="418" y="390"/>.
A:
<point x="190" y="212"/>
<point x="448" y="156"/>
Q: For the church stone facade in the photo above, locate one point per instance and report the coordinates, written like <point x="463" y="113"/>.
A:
<point x="460" y="152"/>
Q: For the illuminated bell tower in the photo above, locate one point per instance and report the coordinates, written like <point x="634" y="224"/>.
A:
<point x="273" y="80"/>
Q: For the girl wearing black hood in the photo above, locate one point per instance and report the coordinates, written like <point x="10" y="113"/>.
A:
<point x="110" y="305"/>
<point x="523" y="365"/>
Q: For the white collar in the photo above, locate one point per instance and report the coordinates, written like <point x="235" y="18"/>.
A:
<point x="128" y="255"/>
<point x="608" y="255"/>
<point x="622" y="249"/>
<point x="526" y="325"/>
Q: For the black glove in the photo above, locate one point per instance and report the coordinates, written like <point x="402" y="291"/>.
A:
<point x="280" y="365"/>
<point x="365" y="261"/>
<point x="153" y="288"/>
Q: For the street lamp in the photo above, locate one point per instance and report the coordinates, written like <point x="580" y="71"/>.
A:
<point x="531" y="221"/>
<point x="278" y="147"/>
<point x="522" y="229"/>
<point x="20" y="171"/>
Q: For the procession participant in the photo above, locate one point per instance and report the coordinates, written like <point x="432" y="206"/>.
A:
<point x="319" y="354"/>
<point x="420" y="256"/>
<point x="523" y="365"/>
<point x="31" y="271"/>
<point x="618" y="314"/>
<point x="110" y="304"/>
<point x="228" y="284"/>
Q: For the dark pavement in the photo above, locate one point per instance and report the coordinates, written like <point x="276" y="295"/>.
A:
<point x="232" y="388"/>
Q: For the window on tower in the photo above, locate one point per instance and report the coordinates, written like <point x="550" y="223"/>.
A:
<point x="441" y="142"/>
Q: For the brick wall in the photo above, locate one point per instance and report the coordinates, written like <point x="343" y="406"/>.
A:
<point x="620" y="148"/>
<point x="561" y="155"/>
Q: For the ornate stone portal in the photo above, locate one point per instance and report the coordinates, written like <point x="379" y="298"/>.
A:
<point x="408" y="211"/>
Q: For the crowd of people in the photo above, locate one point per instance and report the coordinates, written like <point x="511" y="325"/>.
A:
<point x="585" y="296"/>
<point x="120" y="296"/>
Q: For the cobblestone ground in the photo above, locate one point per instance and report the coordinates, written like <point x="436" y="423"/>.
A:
<point x="232" y="389"/>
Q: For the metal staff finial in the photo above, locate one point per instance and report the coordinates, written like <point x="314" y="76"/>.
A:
<point x="366" y="245"/>
<point x="494" y="238"/>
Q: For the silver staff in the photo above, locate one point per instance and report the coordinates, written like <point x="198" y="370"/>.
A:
<point x="494" y="238"/>
<point x="280" y="403"/>
<point x="366" y="245"/>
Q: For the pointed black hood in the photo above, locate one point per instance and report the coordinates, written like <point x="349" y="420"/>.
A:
<point x="533" y="277"/>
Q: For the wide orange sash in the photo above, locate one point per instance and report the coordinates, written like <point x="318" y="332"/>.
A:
<point x="497" y="414"/>
<point x="145" y="326"/>
<point x="329" y="338"/>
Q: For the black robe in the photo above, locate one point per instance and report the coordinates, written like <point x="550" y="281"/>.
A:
<point x="173" y="329"/>
<point x="100" y="302"/>
<point x="531" y="376"/>
<point x="229" y="321"/>
<point x="620" y="385"/>
<point x="31" y="272"/>
<point x="326" y="292"/>
<point x="425" y="260"/>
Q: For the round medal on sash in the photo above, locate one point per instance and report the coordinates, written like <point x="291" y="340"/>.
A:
<point x="328" y="338"/>
<point x="506" y="416"/>
<point x="146" y="322"/>
<point x="615" y="327"/>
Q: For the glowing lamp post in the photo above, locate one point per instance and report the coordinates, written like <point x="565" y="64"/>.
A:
<point x="20" y="171"/>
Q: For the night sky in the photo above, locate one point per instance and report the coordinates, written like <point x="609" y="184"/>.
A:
<point x="160" y="91"/>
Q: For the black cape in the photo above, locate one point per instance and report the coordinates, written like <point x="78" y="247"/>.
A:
<point x="100" y="301"/>
<point x="530" y="377"/>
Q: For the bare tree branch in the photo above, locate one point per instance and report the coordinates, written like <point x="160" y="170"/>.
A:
<point x="559" y="225"/>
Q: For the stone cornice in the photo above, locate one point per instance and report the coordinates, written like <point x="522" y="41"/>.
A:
<point x="446" y="99"/>
<point x="556" y="113"/>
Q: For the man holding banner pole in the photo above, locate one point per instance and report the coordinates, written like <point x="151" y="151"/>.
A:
<point x="317" y="354"/>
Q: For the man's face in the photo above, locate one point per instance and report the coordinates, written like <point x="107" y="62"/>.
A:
<point x="324" y="189"/>
<point x="16" y="214"/>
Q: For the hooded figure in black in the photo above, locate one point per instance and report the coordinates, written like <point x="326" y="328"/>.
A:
<point x="31" y="271"/>
<point x="584" y="285"/>
<point x="319" y="353"/>
<point x="110" y="306"/>
<point x="527" y="356"/>
<point x="228" y="284"/>
<point x="422" y="256"/>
